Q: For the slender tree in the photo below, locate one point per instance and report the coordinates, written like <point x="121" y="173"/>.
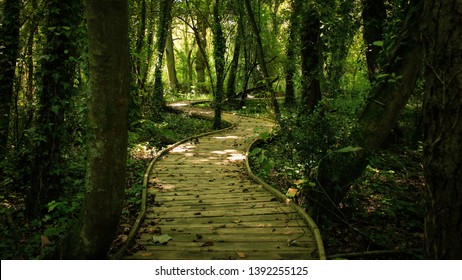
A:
<point x="231" y="84"/>
<point x="107" y="127"/>
<point x="9" y="42"/>
<point x="290" y="65"/>
<point x="442" y="34"/>
<point x="219" y="49"/>
<point x="261" y="57"/>
<point x="170" y="56"/>
<point x="162" y="33"/>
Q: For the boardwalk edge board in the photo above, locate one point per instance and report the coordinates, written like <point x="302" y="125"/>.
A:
<point x="284" y="198"/>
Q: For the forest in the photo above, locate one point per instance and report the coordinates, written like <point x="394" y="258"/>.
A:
<point x="365" y="95"/>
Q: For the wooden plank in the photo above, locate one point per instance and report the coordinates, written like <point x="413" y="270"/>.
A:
<point x="226" y="207"/>
<point x="216" y="213"/>
<point x="222" y="255"/>
<point x="206" y="245"/>
<point x="207" y="222"/>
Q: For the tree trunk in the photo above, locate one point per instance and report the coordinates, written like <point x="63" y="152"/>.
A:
<point x="311" y="59"/>
<point x="289" y="69"/>
<point x="57" y="71"/>
<point x="201" y="59"/>
<point x="107" y="127"/>
<point x="170" y="55"/>
<point x="442" y="35"/>
<point x="139" y="44"/>
<point x="164" y="19"/>
<point x="374" y="15"/>
<point x="231" y="86"/>
<point x="261" y="58"/>
<point x="219" y="49"/>
<point x="9" y="40"/>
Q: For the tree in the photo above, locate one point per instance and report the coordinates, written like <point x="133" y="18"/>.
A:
<point x="107" y="127"/>
<point x="56" y="86"/>
<point x="442" y="36"/>
<point x="170" y="55"/>
<point x="9" y="44"/>
<point x="162" y="33"/>
<point x="311" y="59"/>
<point x="289" y="69"/>
<point x="231" y="85"/>
<point x="261" y="58"/>
<point x="219" y="49"/>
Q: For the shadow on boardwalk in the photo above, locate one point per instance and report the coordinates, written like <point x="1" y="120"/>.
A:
<point x="207" y="207"/>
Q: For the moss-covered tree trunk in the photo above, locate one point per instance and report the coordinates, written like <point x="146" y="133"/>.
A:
<point x="442" y="36"/>
<point x="55" y="88"/>
<point x="107" y="127"/>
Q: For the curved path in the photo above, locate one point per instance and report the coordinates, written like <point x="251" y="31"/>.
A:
<point x="207" y="207"/>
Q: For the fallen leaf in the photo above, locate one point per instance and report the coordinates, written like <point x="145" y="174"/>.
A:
<point x="240" y="255"/>
<point x="236" y="221"/>
<point x="146" y="254"/>
<point x="206" y="244"/>
<point x="161" y="239"/>
<point x="220" y="226"/>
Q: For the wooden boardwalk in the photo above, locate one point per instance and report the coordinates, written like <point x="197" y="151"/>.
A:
<point x="207" y="207"/>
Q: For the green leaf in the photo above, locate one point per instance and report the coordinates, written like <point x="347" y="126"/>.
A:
<point x="349" y="149"/>
<point x="161" y="239"/>
<point x="378" y="43"/>
<point x="255" y="151"/>
<point x="265" y="136"/>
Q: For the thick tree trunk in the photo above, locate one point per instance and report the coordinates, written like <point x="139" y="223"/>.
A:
<point x="442" y="35"/>
<point x="374" y="15"/>
<point x="9" y="40"/>
<point x="107" y="127"/>
<point x="261" y="58"/>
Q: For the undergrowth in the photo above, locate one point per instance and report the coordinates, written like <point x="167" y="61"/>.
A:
<point x="383" y="210"/>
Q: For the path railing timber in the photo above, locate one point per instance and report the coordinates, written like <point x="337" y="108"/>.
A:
<point x="207" y="206"/>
